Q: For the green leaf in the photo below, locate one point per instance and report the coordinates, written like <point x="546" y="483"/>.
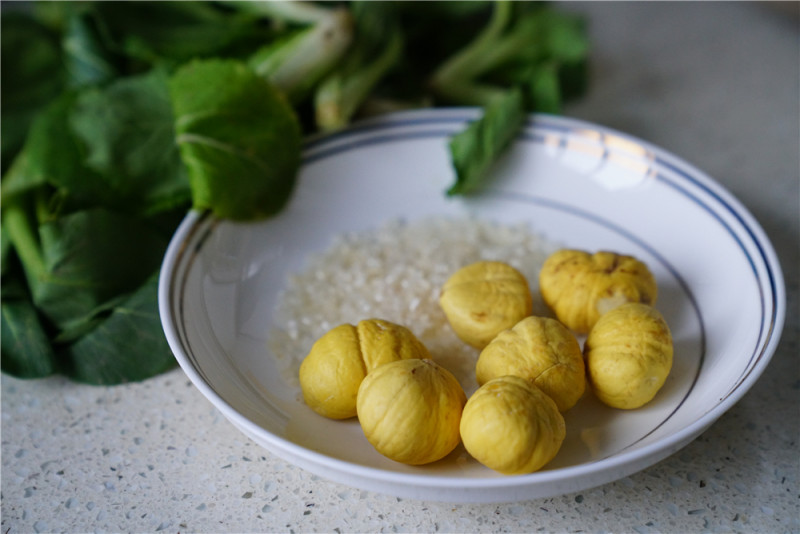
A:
<point x="32" y="75"/>
<point x="19" y="179"/>
<point x="87" y="57"/>
<point x="474" y="150"/>
<point x="239" y="138"/>
<point x="171" y="32"/>
<point x="544" y="90"/>
<point x="127" y="129"/>
<point x="129" y="345"/>
<point x="26" y="349"/>
<point x="89" y="258"/>
<point x="55" y="14"/>
<point x="53" y="155"/>
<point x="516" y="48"/>
<point x="76" y="329"/>
<point x="546" y="48"/>
<point x="6" y="251"/>
<point x="565" y="37"/>
<point x="112" y="146"/>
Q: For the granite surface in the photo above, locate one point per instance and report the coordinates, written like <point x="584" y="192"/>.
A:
<point x="716" y="83"/>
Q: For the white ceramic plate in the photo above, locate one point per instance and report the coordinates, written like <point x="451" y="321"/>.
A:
<point x="582" y="185"/>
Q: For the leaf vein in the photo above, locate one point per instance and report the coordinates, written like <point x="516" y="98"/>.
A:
<point x="188" y="138"/>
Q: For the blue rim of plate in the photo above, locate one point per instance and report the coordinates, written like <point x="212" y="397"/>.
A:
<point x="444" y="123"/>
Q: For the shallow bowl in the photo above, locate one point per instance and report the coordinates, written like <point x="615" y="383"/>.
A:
<point x="581" y="185"/>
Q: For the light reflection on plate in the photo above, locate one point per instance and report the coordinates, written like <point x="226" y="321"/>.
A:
<point x="576" y="183"/>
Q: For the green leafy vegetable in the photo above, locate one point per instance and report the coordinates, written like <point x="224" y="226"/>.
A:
<point x="238" y="137"/>
<point x="169" y="33"/>
<point x="128" y="131"/>
<point x="87" y="60"/>
<point x="32" y="75"/>
<point x="458" y="78"/>
<point x="477" y="148"/>
<point x="118" y="117"/>
<point x="89" y="257"/>
<point x="544" y="88"/>
<point x="51" y="162"/>
<point x="26" y="347"/>
<point x="107" y="354"/>
<point x="511" y="67"/>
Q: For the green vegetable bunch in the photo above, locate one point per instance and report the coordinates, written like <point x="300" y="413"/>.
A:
<point x="118" y="117"/>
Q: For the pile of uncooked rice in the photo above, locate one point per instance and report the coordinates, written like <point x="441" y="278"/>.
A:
<point x="395" y="272"/>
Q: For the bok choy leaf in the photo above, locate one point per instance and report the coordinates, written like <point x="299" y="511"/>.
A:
<point x="238" y="136"/>
<point x="474" y="150"/>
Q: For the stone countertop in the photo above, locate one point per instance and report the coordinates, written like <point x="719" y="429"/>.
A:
<point x="717" y="84"/>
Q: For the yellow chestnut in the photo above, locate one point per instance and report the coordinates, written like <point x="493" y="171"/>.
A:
<point x="511" y="426"/>
<point x="628" y="355"/>
<point x="483" y="299"/>
<point x="580" y="287"/>
<point x="410" y="410"/>
<point x="539" y="349"/>
<point x="331" y="373"/>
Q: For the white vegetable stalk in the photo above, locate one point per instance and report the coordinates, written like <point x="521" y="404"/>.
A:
<point x="297" y="64"/>
<point x="341" y="94"/>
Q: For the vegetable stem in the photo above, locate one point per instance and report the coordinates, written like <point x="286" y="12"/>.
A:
<point x="472" y="94"/>
<point x="341" y="94"/>
<point x="294" y="65"/>
<point x="476" y="57"/>
<point x="20" y="231"/>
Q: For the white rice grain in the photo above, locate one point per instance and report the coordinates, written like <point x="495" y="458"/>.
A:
<point x="395" y="272"/>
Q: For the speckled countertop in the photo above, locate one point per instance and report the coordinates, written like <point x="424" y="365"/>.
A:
<point x="716" y="83"/>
